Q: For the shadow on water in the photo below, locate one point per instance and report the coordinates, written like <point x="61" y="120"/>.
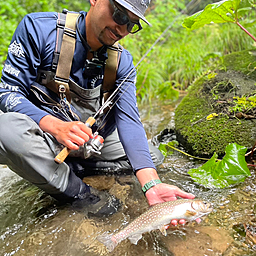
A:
<point x="31" y="223"/>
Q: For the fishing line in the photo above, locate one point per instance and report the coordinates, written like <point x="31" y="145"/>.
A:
<point x="108" y="102"/>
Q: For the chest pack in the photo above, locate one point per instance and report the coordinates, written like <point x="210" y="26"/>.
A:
<point x="57" y="80"/>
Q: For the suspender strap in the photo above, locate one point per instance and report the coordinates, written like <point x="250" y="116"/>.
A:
<point x="60" y="30"/>
<point x="67" y="47"/>
<point x="114" y="53"/>
<point x="66" y="54"/>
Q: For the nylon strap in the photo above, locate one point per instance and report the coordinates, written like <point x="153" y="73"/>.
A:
<point x="114" y="53"/>
<point x="60" y="29"/>
<point x="66" y="53"/>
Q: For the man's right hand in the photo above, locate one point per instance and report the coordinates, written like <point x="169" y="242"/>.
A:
<point x="70" y="134"/>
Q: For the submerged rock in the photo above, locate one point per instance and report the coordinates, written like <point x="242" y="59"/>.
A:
<point x="206" y="120"/>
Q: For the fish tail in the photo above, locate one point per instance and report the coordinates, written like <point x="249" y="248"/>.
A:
<point x="108" y="241"/>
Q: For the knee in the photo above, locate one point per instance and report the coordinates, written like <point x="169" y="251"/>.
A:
<point x="15" y="129"/>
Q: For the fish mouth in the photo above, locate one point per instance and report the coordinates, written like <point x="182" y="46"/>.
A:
<point x="202" y="206"/>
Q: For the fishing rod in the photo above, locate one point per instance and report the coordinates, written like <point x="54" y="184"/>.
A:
<point x="95" y="144"/>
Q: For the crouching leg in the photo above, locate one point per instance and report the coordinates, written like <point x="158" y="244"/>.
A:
<point x="30" y="152"/>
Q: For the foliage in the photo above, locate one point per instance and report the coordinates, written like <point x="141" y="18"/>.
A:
<point x="224" y="11"/>
<point x="167" y="149"/>
<point x="12" y="12"/>
<point x="153" y="78"/>
<point x="182" y="55"/>
<point x="202" y="137"/>
<point x="243" y="104"/>
<point x="231" y="170"/>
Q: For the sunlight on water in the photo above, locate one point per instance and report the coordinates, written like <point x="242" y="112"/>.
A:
<point x="31" y="223"/>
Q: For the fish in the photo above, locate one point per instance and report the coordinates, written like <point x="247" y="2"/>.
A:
<point x="158" y="216"/>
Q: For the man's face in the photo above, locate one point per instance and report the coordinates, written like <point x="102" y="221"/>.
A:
<point x="104" y="28"/>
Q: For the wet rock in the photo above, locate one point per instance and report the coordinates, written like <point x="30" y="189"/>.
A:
<point x="36" y="239"/>
<point x="250" y="229"/>
<point x="109" y="183"/>
<point x="100" y="182"/>
<point x="233" y="251"/>
<point x="120" y="192"/>
<point x="126" y="179"/>
<point x="199" y="241"/>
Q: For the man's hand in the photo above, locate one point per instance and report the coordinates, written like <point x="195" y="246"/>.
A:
<point x="163" y="193"/>
<point x="70" y="134"/>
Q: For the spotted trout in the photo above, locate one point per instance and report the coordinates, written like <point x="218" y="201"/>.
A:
<point x="159" y="217"/>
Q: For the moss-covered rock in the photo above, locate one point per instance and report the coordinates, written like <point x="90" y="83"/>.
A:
<point x="214" y="92"/>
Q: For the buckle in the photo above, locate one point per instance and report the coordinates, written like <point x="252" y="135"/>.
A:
<point x="70" y="32"/>
<point x="60" y="80"/>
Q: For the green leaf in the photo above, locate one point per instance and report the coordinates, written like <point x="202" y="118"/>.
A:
<point x="220" y="12"/>
<point x="163" y="149"/>
<point x="166" y="149"/>
<point x="232" y="169"/>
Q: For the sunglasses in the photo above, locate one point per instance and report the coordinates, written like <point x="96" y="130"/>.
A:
<point x="121" y="18"/>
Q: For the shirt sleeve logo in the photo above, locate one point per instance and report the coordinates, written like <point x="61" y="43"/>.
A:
<point x="12" y="101"/>
<point x="16" y="49"/>
<point x="11" y="70"/>
<point x="9" y="87"/>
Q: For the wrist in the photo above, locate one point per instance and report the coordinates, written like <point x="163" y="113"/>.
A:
<point x="145" y="175"/>
<point x="150" y="185"/>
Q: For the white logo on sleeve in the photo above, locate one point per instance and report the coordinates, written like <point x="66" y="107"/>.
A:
<point x="9" y="87"/>
<point x="12" y="101"/>
<point x="16" y="49"/>
<point x="11" y="70"/>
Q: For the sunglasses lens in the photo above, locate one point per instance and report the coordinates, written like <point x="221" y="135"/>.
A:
<point x="133" y="27"/>
<point x="120" y="18"/>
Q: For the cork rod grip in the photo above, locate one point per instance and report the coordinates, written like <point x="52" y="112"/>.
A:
<point x="60" y="158"/>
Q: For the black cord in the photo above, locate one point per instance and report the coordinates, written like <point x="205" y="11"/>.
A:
<point x="84" y="42"/>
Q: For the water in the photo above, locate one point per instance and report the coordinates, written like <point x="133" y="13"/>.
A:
<point x="31" y="223"/>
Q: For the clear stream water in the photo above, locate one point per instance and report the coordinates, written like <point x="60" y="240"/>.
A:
<point x="31" y="223"/>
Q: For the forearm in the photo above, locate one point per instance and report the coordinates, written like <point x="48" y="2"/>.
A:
<point x="50" y="124"/>
<point x="145" y="175"/>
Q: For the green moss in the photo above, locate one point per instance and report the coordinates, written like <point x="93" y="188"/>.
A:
<point x="244" y="62"/>
<point x="203" y="137"/>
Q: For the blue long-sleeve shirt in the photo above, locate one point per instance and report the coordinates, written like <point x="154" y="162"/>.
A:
<point x="32" y="48"/>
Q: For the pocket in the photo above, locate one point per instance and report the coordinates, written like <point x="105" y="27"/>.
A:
<point x="86" y="101"/>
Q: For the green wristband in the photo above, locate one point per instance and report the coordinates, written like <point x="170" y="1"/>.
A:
<point x="150" y="184"/>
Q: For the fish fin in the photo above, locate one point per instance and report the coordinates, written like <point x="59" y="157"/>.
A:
<point x="135" y="238"/>
<point x="190" y="213"/>
<point x="107" y="241"/>
<point x="163" y="230"/>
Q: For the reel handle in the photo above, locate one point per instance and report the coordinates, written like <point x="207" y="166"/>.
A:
<point x="60" y="158"/>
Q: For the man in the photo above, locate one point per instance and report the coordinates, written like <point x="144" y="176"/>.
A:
<point x="30" y="133"/>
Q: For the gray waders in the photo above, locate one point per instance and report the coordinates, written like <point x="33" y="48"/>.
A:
<point x="30" y="152"/>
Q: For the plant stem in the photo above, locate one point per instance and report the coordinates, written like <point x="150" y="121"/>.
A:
<point x="246" y="31"/>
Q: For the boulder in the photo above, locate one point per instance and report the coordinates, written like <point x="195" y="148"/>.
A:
<point x="209" y="117"/>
